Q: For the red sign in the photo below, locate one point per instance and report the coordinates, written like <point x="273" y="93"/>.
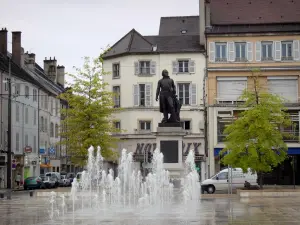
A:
<point x="28" y="149"/>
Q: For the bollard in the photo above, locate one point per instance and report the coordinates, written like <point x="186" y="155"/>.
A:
<point x="31" y="193"/>
<point x="1" y="195"/>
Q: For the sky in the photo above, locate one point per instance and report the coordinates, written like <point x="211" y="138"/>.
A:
<point x="72" y="29"/>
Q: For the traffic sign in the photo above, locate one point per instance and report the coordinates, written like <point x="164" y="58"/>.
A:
<point x="51" y="151"/>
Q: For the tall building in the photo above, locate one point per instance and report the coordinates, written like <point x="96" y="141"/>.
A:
<point x="136" y="62"/>
<point x="242" y="36"/>
<point x="34" y="112"/>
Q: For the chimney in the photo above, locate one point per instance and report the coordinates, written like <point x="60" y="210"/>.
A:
<point x="207" y="14"/>
<point x="61" y="75"/>
<point x="202" y="21"/>
<point x="16" y="47"/>
<point x="50" y="69"/>
<point x="30" y="60"/>
<point x="3" y="41"/>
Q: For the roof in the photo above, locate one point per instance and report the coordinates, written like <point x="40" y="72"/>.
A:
<point x="173" y="26"/>
<point x="134" y="43"/>
<point x="230" y="12"/>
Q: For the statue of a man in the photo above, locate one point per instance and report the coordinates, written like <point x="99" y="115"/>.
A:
<point x="166" y="92"/>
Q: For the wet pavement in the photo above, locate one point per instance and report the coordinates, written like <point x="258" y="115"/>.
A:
<point x="26" y="210"/>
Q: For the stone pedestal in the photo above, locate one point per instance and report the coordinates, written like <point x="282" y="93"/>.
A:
<point x="169" y="141"/>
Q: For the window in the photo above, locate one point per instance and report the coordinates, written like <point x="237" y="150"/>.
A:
<point x="117" y="96"/>
<point x="116" y="70"/>
<point x="144" y="67"/>
<point x="183" y="66"/>
<point x="267" y="51"/>
<point x="291" y="133"/>
<point x="6" y="84"/>
<point x="51" y="129"/>
<point x="17" y="89"/>
<point x="34" y="117"/>
<point x="285" y="86"/>
<point x="184" y="93"/>
<point x="42" y="124"/>
<point x="46" y="125"/>
<point x="223" y="176"/>
<point x="56" y="130"/>
<point x="34" y="93"/>
<point x="222" y="123"/>
<point x="142" y="95"/>
<point x="240" y="51"/>
<point x="221" y="52"/>
<point x="56" y="107"/>
<point x="46" y="102"/>
<point x="186" y="125"/>
<point x="17" y="142"/>
<point x="34" y="144"/>
<point x="26" y="92"/>
<point x="145" y="125"/>
<point x="117" y="124"/>
<point x="26" y="140"/>
<point x="17" y="112"/>
<point x="287" y="50"/>
<point x="229" y="89"/>
<point x="51" y="105"/>
<point x="26" y="115"/>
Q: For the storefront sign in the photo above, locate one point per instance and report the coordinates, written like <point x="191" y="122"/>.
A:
<point x="27" y="149"/>
<point x="42" y="151"/>
<point x="186" y="147"/>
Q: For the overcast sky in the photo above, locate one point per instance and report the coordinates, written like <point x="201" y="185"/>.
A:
<point x="72" y="29"/>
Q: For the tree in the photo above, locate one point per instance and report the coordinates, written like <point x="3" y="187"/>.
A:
<point x="88" y="119"/>
<point x="254" y="140"/>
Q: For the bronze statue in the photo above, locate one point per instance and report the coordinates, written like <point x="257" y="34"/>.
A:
<point x="168" y="102"/>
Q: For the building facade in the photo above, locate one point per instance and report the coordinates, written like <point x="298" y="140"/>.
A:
<point x="136" y="62"/>
<point x="34" y="112"/>
<point x="239" y="40"/>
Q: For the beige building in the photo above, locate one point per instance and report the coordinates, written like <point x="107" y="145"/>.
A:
<point x="242" y="36"/>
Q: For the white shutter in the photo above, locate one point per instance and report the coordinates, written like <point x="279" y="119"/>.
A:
<point x="249" y="51"/>
<point x="277" y="52"/>
<point x="212" y="52"/>
<point x="152" y="67"/>
<point x="230" y="89"/>
<point x="148" y="94"/>
<point x="136" y="95"/>
<point x="192" y="66"/>
<point x="258" y="51"/>
<point x="231" y="52"/>
<point x="136" y="68"/>
<point x="193" y="94"/>
<point x="286" y="87"/>
<point x="296" y="50"/>
<point x="175" y="67"/>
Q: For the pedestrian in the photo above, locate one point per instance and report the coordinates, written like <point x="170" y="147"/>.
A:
<point x="18" y="179"/>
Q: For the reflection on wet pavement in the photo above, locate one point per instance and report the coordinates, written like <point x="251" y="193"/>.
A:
<point x="23" y="210"/>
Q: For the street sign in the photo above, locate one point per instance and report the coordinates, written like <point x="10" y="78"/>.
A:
<point x="147" y="165"/>
<point x="51" y="151"/>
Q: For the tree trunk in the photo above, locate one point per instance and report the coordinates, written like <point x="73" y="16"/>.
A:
<point x="261" y="180"/>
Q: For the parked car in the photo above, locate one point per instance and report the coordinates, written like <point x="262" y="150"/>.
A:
<point x="65" y="181"/>
<point x="55" y="176"/>
<point x="48" y="181"/>
<point x="70" y="176"/>
<point x="33" y="183"/>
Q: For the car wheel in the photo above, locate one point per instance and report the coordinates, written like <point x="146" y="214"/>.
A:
<point x="211" y="189"/>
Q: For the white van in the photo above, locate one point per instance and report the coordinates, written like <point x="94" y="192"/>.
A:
<point x="219" y="182"/>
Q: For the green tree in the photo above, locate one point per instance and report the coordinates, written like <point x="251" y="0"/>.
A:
<point x="88" y="119"/>
<point x="254" y="140"/>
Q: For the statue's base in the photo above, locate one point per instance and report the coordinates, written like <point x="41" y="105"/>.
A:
<point x="170" y="124"/>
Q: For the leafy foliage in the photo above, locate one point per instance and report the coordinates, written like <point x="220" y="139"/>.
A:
<point x="254" y="139"/>
<point x="88" y="120"/>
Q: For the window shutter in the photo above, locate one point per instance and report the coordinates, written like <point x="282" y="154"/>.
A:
<point x="231" y="53"/>
<point x="148" y="94"/>
<point x="249" y="51"/>
<point x="193" y="91"/>
<point x="136" y="68"/>
<point x="136" y="95"/>
<point x="192" y="66"/>
<point x="296" y="50"/>
<point x="258" y="51"/>
<point x="212" y="51"/>
<point x="153" y="67"/>
<point x="175" y="67"/>
<point x="277" y="53"/>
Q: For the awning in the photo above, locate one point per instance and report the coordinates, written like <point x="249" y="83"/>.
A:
<point x="45" y="166"/>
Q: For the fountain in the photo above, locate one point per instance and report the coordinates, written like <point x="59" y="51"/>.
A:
<point x="102" y="196"/>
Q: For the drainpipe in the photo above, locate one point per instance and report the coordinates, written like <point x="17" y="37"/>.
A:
<point x="38" y="123"/>
<point x="1" y="122"/>
<point x="205" y="103"/>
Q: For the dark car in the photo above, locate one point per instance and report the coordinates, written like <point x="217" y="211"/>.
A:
<point x="48" y="181"/>
<point x="33" y="183"/>
<point x="71" y="176"/>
